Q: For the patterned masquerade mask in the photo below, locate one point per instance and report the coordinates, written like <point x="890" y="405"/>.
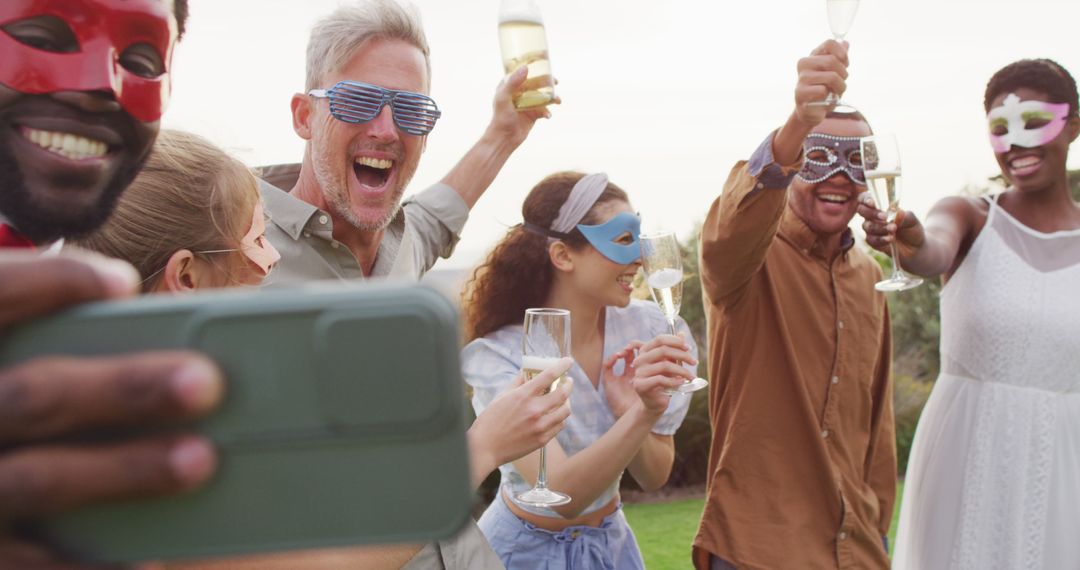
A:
<point x="828" y="154"/>
<point x="1026" y="124"/>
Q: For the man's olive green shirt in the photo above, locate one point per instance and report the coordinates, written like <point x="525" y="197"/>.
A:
<point x="425" y="228"/>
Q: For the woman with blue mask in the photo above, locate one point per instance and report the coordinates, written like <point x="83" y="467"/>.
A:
<point x="578" y="250"/>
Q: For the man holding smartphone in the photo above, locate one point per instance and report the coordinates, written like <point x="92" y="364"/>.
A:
<point x="82" y="86"/>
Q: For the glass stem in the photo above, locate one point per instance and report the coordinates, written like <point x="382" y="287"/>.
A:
<point x="541" y="476"/>
<point x="897" y="273"/>
<point x="671" y="326"/>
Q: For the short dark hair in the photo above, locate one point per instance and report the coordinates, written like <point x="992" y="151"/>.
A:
<point x="180" y="10"/>
<point x="1044" y="75"/>
<point x="849" y="114"/>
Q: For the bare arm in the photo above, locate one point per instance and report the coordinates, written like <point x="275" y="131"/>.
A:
<point x="931" y="250"/>
<point x="519" y="421"/>
<point x="742" y="222"/>
<point x="651" y="467"/>
<point x="586" y="474"/>
<point x="509" y="127"/>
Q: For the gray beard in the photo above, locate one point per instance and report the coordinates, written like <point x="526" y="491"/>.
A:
<point x="337" y="198"/>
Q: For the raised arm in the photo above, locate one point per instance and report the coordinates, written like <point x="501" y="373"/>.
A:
<point x="507" y="130"/>
<point x="651" y="467"/>
<point x="742" y="222"/>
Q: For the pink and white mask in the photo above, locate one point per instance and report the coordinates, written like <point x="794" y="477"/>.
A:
<point x="256" y="247"/>
<point x="1026" y="124"/>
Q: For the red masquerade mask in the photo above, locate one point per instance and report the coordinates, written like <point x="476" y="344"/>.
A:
<point x="104" y="30"/>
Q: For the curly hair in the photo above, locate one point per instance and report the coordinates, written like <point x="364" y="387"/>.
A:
<point x="1040" y="74"/>
<point x="518" y="273"/>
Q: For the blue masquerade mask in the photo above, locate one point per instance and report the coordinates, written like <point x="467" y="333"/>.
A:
<point x="827" y="154"/>
<point x="603" y="237"/>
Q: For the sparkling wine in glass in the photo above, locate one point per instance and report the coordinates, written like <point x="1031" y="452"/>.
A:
<point x="661" y="258"/>
<point x="523" y="42"/>
<point x="546" y="339"/>
<point x="881" y="163"/>
<point x="841" y="16"/>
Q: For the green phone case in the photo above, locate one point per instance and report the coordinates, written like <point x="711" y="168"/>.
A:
<point x="343" y="422"/>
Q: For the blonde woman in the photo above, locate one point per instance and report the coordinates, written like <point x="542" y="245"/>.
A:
<point x="192" y="219"/>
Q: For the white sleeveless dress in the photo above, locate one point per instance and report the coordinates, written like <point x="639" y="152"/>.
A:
<point x="994" y="476"/>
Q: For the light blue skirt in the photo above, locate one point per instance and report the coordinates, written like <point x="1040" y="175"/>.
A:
<point x="520" y="545"/>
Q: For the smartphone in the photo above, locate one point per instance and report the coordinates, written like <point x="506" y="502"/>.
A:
<point x="343" y="422"/>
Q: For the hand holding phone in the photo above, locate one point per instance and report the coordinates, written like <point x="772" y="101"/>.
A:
<point x="343" y="422"/>
<point x="53" y="397"/>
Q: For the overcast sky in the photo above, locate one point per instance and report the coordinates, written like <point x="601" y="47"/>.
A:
<point x="663" y="96"/>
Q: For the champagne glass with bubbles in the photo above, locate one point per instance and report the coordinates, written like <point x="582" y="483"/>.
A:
<point x="546" y="339"/>
<point x="881" y="163"/>
<point x="661" y="258"/>
<point x="841" y="16"/>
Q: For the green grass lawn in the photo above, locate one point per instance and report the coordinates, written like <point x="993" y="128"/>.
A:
<point x="665" y="530"/>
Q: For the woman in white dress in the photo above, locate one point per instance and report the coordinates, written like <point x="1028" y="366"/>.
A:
<point x="994" y="476"/>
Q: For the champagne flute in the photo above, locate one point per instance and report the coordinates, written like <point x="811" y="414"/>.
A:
<point x="523" y="42"/>
<point x="881" y="163"/>
<point x="546" y="339"/>
<point x="661" y="258"/>
<point x="841" y="16"/>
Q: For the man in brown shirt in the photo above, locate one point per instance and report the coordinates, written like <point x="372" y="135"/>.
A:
<point x="802" y="470"/>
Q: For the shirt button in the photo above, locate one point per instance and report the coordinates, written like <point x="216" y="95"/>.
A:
<point x="323" y="219"/>
<point x="835" y="379"/>
<point x="760" y="186"/>
<point x="824" y="433"/>
<point x="842" y="535"/>
<point x="307" y="234"/>
<point x="840" y="324"/>
<point x="335" y="244"/>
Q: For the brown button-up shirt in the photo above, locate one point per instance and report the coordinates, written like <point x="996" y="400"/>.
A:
<point x="802" y="469"/>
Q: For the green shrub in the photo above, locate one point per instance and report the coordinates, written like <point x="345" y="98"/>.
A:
<point x="909" y="397"/>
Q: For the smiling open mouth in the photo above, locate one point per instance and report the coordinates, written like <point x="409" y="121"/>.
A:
<point x="834" y="198"/>
<point x="1025" y="165"/>
<point x="67" y="145"/>
<point x="372" y="172"/>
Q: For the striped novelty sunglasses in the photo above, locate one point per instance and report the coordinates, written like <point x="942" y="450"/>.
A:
<point x="354" y="102"/>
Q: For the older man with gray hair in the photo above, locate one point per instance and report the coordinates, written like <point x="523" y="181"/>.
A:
<point x="365" y="115"/>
